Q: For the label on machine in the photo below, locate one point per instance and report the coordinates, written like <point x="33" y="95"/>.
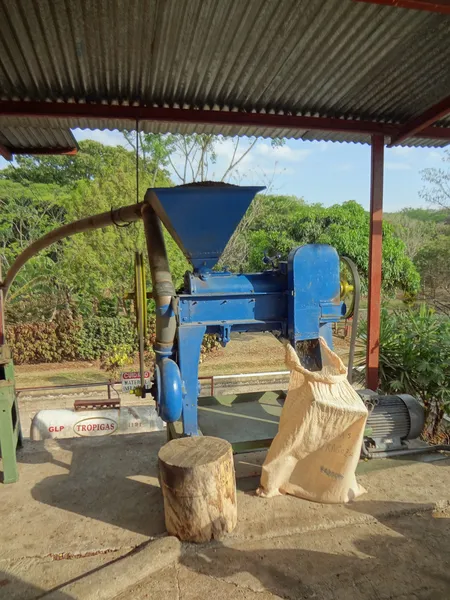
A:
<point x="132" y="380"/>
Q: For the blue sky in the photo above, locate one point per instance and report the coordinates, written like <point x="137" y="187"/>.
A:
<point x="323" y="172"/>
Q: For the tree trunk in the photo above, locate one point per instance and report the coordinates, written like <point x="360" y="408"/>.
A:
<point x="199" y="488"/>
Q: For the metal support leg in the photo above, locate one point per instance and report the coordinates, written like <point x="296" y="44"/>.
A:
<point x="375" y="259"/>
<point x="190" y="339"/>
<point x="10" y="432"/>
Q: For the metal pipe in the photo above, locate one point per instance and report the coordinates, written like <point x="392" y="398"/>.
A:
<point x="410" y="451"/>
<point x="119" y="216"/>
<point x="68" y="386"/>
<point x="163" y="288"/>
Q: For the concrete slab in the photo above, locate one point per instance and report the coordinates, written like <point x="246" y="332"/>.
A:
<point x="30" y="577"/>
<point x="404" y="556"/>
<point x="83" y="495"/>
<point x="391" y="490"/>
<point x="238" y="418"/>
<point x="81" y="503"/>
<point x="401" y="558"/>
<point x="117" y="577"/>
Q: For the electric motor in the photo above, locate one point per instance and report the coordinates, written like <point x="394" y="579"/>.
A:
<point x="392" y="420"/>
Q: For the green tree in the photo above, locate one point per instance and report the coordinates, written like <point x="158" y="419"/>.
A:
<point x="433" y="263"/>
<point x="92" y="271"/>
<point x="271" y="213"/>
<point x="425" y="214"/>
<point x="437" y="190"/>
<point x="28" y="211"/>
<point x="414" y="351"/>
<point x="415" y="233"/>
<point x="284" y="223"/>
<point x="98" y="265"/>
<point x="154" y="152"/>
<point x="65" y="170"/>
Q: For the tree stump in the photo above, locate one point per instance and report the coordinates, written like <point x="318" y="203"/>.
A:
<point x="199" y="488"/>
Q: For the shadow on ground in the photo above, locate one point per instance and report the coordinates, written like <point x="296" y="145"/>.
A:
<point x="386" y="557"/>
<point x="12" y="587"/>
<point x="405" y="558"/>
<point x="115" y="483"/>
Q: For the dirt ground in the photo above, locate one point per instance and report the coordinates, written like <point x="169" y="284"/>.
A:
<point x="83" y="503"/>
<point x="246" y="353"/>
<point x="403" y="558"/>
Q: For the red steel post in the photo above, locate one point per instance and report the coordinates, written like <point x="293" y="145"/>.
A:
<point x="375" y="257"/>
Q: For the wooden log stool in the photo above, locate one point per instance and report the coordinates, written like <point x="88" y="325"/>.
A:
<point x="199" y="488"/>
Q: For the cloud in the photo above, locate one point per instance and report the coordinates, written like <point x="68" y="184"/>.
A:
<point x="397" y="166"/>
<point x="435" y="155"/>
<point x="226" y="150"/>
<point x="282" y="153"/>
<point x="402" y="150"/>
<point x="108" y="138"/>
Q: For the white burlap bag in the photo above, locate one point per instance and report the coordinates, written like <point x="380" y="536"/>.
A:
<point x="316" y="450"/>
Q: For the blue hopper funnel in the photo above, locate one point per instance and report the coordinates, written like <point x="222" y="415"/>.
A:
<point x="201" y="218"/>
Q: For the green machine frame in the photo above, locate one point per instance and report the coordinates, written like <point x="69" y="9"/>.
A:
<point x="10" y="431"/>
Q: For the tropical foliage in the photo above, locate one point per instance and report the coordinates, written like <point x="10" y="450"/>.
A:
<point x="83" y="282"/>
<point x="414" y="359"/>
<point x="276" y="224"/>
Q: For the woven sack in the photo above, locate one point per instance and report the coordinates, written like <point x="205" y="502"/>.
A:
<point x="316" y="450"/>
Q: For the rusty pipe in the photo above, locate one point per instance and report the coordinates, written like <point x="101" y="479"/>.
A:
<point x="118" y="216"/>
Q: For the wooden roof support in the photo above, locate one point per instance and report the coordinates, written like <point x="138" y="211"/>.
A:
<point x="5" y="153"/>
<point x="418" y="124"/>
<point x="49" y="151"/>
<point x="124" y="112"/>
<point x="439" y="6"/>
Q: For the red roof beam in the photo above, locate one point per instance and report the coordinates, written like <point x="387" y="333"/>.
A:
<point x="443" y="6"/>
<point x="215" y="117"/>
<point x="418" y="124"/>
<point x="5" y="153"/>
<point x="58" y="151"/>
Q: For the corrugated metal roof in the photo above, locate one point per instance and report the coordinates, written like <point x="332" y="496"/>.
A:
<point x="19" y="139"/>
<point x="333" y="58"/>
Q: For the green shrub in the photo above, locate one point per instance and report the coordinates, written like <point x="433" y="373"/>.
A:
<point x="69" y="338"/>
<point x="415" y="359"/>
<point x="100" y="334"/>
<point x="116" y="358"/>
<point x="54" y="341"/>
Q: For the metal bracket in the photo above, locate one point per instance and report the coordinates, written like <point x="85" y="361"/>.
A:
<point x="225" y="332"/>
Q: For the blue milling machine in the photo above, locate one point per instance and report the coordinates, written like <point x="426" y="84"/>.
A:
<point x="298" y="300"/>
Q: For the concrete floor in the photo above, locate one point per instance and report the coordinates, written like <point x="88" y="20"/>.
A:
<point x="85" y="502"/>
<point x="403" y="558"/>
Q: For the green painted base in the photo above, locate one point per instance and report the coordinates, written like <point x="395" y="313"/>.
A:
<point x="10" y="432"/>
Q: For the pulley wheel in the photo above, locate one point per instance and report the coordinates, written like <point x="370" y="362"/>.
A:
<point x="350" y="285"/>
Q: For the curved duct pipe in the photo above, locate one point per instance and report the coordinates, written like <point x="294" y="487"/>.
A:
<point x="163" y="288"/>
<point x="119" y="216"/>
